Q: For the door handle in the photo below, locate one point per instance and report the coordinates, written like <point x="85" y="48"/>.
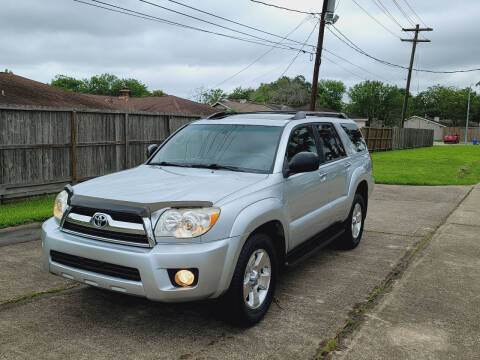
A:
<point x="347" y="164"/>
<point x="323" y="177"/>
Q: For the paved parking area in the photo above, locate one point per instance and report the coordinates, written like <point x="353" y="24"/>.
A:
<point x="313" y="298"/>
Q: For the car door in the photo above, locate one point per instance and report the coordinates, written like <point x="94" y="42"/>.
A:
<point x="305" y="193"/>
<point x="335" y="168"/>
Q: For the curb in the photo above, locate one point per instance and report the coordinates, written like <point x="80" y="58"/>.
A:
<point x="20" y="234"/>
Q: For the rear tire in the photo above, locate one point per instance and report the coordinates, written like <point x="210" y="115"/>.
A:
<point x="253" y="283"/>
<point x="354" y="224"/>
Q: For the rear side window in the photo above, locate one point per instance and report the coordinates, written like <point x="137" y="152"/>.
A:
<point x="355" y="136"/>
<point x="330" y="142"/>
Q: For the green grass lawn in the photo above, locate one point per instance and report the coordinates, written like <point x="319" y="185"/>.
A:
<point x="26" y="211"/>
<point x="437" y="165"/>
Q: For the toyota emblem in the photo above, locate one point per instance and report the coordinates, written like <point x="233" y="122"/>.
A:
<point x="99" y="220"/>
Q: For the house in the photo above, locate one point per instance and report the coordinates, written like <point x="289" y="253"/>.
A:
<point x="418" y="122"/>
<point x="17" y="90"/>
<point x="242" y="106"/>
<point x="359" y="120"/>
<point x="250" y="106"/>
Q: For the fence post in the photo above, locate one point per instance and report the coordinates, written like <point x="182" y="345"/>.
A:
<point x="73" y="147"/>
<point x="125" y="126"/>
<point x="2" y="190"/>
<point x="169" y="119"/>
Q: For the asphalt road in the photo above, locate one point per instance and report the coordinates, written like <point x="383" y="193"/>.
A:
<point x="313" y="299"/>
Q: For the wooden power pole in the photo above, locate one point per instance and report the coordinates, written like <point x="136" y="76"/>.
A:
<point x="318" y="56"/>
<point x="414" y="42"/>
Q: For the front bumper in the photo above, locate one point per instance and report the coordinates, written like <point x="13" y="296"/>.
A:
<point x="214" y="260"/>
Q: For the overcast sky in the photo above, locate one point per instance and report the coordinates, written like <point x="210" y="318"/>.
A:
<point x="39" y="39"/>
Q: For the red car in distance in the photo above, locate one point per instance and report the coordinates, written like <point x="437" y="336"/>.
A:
<point x="451" y="138"/>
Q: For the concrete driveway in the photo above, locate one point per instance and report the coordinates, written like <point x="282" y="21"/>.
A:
<point x="313" y="299"/>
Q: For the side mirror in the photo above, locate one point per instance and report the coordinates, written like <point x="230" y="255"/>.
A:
<point x="151" y="149"/>
<point x="303" y="162"/>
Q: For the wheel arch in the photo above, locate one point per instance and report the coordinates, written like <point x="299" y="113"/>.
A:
<point x="362" y="189"/>
<point x="266" y="216"/>
<point x="275" y="230"/>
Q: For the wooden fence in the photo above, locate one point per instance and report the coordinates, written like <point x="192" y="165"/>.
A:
<point x="384" y="139"/>
<point x="412" y="138"/>
<point x="42" y="149"/>
<point x="473" y="133"/>
<point x="378" y="139"/>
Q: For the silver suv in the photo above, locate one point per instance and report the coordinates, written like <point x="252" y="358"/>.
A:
<point x="217" y="210"/>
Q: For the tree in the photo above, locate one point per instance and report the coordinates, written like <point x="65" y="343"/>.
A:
<point x="158" y="93"/>
<point x="100" y="84"/>
<point x="68" y="83"/>
<point x="376" y="100"/>
<point x="446" y="103"/>
<point x="240" y="93"/>
<point x="105" y="84"/>
<point x="7" y="71"/>
<point x="330" y="94"/>
<point x="208" y="96"/>
<point x="136" y="88"/>
<point x="284" y="91"/>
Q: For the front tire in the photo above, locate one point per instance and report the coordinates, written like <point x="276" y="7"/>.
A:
<point x="253" y="283"/>
<point x="354" y="224"/>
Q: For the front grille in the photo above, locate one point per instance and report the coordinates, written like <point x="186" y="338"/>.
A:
<point x="100" y="267"/>
<point x="116" y="215"/>
<point x="112" y="235"/>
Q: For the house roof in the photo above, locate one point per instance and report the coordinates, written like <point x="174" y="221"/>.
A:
<point x="17" y="90"/>
<point x="167" y="103"/>
<point x="317" y="108"/>
<point x="248" y="106"/>
<point x="422" y="118"/>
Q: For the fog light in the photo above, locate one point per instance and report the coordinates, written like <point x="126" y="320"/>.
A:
<point x="184" y="277"/>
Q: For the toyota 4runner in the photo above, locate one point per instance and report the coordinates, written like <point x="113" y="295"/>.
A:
<point x="216" y="210"/>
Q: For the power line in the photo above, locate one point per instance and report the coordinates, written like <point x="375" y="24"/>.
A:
<point x="384" y="9"/>
<point x="129" y="12"/>
<point x="343" y="68"/>
<point x="232" y="21"/>
<point x="285" y="8"/>
<point x="353" y="64"/>
<point x="202" y="20"/>
<point x="299" y="51"/>
<point x="387" y="63"/>
<point x="374" y="19"/>
<point x="261" y="56"/>
<point x="403" y="12"/>
<point x="414" y="12"/>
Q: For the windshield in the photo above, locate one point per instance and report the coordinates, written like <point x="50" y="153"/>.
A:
<point x="248" y="148"/>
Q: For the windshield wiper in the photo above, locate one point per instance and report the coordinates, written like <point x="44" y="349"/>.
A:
<point x="217" y="167"/>
<point x="167" y="163"/>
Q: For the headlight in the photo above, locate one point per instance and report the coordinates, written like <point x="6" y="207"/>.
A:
<point x="60" y="205"/>
<point x="186" y="223"/>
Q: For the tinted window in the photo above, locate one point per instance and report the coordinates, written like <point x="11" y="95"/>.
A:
<point x="331" y="144"/>
<point x="355" y="136"/>
<point x="301" y="139"/>
<point x="247" y="147"/>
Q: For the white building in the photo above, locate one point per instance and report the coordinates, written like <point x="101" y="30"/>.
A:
<point x="417" y="122"/>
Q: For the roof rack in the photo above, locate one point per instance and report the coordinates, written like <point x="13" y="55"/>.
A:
<point x="297" y="115"/>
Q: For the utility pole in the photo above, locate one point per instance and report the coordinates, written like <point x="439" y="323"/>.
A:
<point x="414" y="42"/>
<point x="318" y="56"/>
<point x="468" y="111"/>
<point x="468" y="114"/>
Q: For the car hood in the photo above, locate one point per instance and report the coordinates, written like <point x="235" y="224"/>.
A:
<point x="149" y="184"/>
